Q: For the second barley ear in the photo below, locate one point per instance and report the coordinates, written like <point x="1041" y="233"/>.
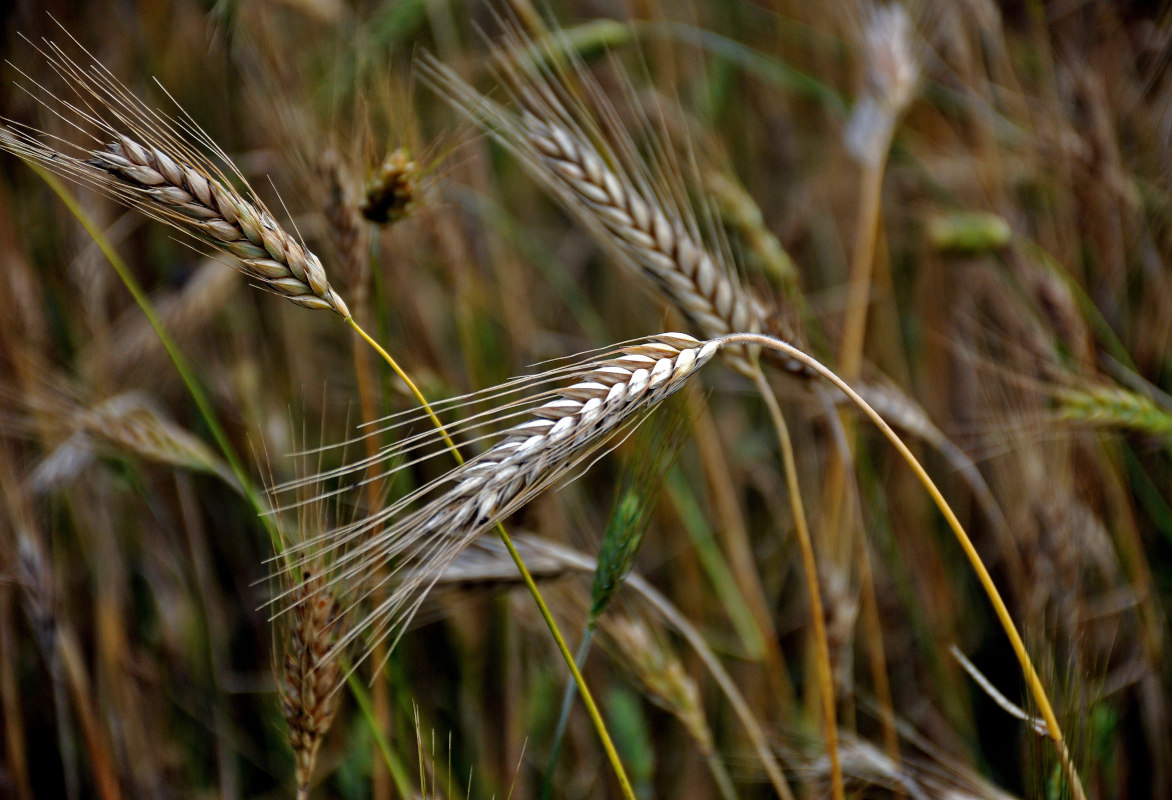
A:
<point x="309" y="676"/>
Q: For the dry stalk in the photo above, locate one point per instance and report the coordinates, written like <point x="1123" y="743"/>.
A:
<point x="350" y="237"/>
<point x="24" y="558"/>
<point x="891" y="70"/>
<point x="1037" y="689"/>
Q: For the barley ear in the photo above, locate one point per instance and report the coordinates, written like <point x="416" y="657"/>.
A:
<point x="145" y="160"/>
<point x="309" y="677"/>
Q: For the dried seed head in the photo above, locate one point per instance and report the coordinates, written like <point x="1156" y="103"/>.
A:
<point x="663" y="250"/>
<point x="638" y="212"/>
<point x="390" y="192"/>
<point x="309" y="677"/>
<point x="128" y="423"/>
<point x="889" y="53"/>
<point x="891" y="67"/>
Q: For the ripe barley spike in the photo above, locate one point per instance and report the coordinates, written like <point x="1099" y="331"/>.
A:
<point x="144" y="160"/>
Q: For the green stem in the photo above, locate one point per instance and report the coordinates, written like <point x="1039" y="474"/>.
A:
<point x="714" y="564"/>
<point x="394" y="765"/>
<point x="202" y="403"/>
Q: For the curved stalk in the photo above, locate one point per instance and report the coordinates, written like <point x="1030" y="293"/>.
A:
<point x="1037" y="690"/>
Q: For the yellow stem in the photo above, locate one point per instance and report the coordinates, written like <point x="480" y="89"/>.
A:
<point x="394" y="365"/>
<point x="1037" y="690"/>
<point x="854" y="326"/>
<point x="813" y="586"/>
<point x="850" y="353"/>
<point x="587" y="698"/>
<point x="877" y="657"/>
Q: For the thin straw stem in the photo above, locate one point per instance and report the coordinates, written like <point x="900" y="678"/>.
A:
<point x="587" y="698"/>
<point x="854" y="327"/>
<point x="810" y="567"/>
<point x="394" y="365"/>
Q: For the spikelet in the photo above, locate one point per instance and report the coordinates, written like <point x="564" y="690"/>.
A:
<point x="1113" y="407"/>
<point x="661" y="673"/>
